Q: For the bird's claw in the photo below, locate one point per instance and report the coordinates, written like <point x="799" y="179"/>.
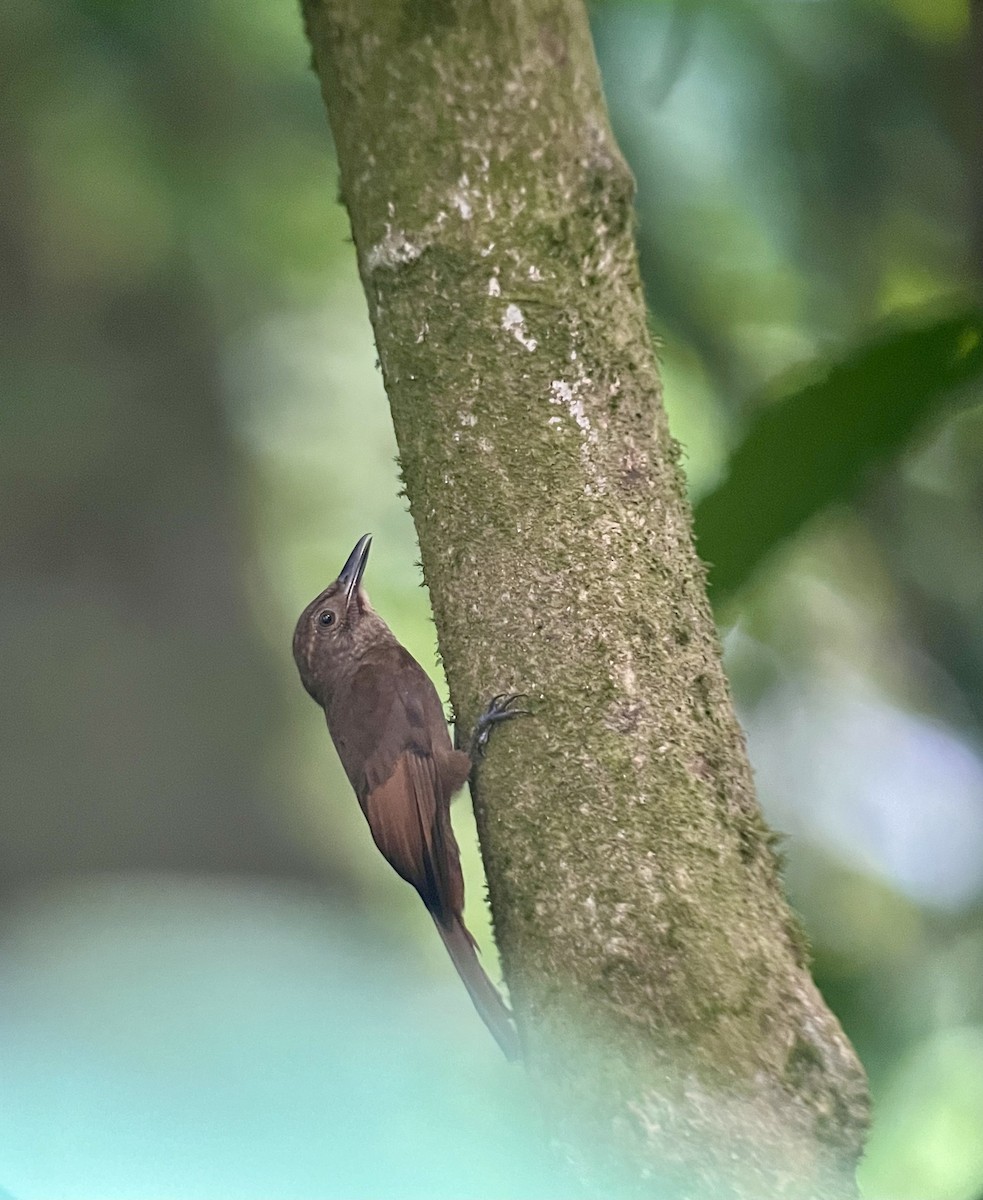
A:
<point x="499" y="709"/>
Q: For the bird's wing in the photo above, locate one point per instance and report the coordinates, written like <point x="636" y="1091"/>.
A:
<point x="412" y="828"/>
<point x="394" y="744"/>
<point x="393" y="707"/>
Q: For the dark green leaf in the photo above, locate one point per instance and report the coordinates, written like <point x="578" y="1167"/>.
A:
<point x="815" y="447"/>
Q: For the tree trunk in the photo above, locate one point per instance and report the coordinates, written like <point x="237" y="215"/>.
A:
<point x="669" y="1021"/>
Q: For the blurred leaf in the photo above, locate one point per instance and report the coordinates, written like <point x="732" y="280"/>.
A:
<point x="814" y="447"/>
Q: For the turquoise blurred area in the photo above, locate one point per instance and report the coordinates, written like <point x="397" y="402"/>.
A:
<point x="210" y="985"/>
<point x="198" y="1038"/>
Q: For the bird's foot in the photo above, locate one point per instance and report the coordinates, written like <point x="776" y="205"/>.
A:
<point x="499" y="709"/>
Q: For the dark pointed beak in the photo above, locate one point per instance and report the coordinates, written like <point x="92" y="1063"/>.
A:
<point x="354" y="568"/>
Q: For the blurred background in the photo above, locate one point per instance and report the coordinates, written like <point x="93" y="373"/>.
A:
<point x="210" y="986"/>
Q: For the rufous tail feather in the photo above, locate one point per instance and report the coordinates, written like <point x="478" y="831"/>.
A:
<point x="491" y="1007"/>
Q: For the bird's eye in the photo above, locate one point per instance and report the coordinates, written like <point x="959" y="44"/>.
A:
<point x="327" y="617"/>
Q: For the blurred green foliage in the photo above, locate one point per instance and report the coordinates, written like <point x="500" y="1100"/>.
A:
<point x="211" y="986"/>
<point x="815" y="446"/>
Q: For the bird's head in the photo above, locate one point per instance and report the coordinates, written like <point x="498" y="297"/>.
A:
<point x="334" y="628"/>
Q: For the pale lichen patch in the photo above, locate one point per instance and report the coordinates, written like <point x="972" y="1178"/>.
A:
<point x="393" y="250"/>
<point x="515" y="323"/>
<point x="570" y="396"/>
<point x="461" y="200"/>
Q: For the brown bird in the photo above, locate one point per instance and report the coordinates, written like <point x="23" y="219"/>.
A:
<point x="388" y="726"/>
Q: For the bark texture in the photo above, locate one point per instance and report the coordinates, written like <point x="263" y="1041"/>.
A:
<point x="667" y="1013"/>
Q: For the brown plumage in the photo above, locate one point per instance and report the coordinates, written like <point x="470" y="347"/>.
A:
<point x="387" y="723"/>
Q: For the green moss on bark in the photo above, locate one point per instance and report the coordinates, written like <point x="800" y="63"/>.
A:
<point x="656" y="971"/>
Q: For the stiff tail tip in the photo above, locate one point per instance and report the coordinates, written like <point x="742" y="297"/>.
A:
<point x="484" y="995"/>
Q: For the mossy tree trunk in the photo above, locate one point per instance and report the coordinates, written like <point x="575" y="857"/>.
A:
<point x="668" y="1017"/>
